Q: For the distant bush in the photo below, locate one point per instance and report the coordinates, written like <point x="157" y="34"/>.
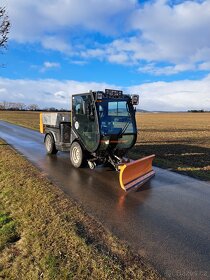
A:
<point x="196" y="111"/>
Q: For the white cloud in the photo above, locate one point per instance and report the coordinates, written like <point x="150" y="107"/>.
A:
<point x="133" y="33"/>
<point x="176" y="35"/>
<point x="165" y="70"/>
<point x="56" y="43"/>
<point x="176" y="95"/>
<point x="204" y="66"/>
<point x="33" y="20"/>
<point x="157" y="96"/>
<point x="60" y="94"/>
<point x="49" y="65"/>
<point x="45" y="93"/>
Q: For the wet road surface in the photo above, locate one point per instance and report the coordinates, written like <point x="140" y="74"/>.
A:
<point x="167" y="221"/>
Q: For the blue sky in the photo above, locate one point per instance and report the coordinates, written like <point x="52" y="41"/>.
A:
<point x="159" y="49"/>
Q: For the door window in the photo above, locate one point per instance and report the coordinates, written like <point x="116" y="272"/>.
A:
<point x="85" y="121"/>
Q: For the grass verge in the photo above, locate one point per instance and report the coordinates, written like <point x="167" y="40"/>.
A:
<point x="48" y="236"/>
<point x="8" y="230"/>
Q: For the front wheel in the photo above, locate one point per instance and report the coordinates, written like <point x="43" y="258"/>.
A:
<point x="76" y="155"/>
<point x="50" y="145"/>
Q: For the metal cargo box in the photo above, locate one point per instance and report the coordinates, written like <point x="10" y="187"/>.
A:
<point x="54" y="119"/>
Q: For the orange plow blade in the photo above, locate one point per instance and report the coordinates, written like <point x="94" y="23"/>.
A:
<point x="134" y="174"/>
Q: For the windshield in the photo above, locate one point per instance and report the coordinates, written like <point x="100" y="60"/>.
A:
<point x="115" y="117"/>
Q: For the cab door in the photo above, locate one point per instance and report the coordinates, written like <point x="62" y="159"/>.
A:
<point x="85" y="121"/>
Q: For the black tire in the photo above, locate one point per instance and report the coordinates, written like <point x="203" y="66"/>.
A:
<point x="76" y="155"/>
<point x="50" y="145"/>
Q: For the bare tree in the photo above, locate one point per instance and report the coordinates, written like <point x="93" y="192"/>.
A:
<point x="33" y="107"/>
<point x="4" y="27"/>
<point x="17" y="106"/>
<point x="1" y="106"/>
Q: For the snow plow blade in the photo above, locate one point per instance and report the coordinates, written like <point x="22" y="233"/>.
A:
<point x="135" y="173"/>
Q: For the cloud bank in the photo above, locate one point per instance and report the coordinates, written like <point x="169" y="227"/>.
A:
<point x="157" y="38"/>
<point x="157" y="96"/>
<point x="145" y="34"/>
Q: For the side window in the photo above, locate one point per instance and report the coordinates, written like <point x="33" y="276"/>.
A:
<point x="78" y="105"/>
<point x="84" y="121"/>
<point x="78" y="108"/>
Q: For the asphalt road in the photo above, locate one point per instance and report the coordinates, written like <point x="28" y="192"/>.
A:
<point x="167" y="221"/>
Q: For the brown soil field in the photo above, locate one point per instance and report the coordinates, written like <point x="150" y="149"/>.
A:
<point x="181" y="141"/>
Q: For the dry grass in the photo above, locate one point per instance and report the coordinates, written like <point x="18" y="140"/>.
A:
<point x="26" y="119"/>
<point x="8" y="229"/>
<point x="50" y="237"/>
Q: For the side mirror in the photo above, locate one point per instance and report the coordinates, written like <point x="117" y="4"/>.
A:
<point x="135" y="99"/>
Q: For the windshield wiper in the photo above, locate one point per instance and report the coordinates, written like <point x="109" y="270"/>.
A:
<point x="127" y="124"/>
<point x="124" y="128"/>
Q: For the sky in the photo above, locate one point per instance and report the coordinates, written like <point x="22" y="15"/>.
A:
<point x="158" y="49"/>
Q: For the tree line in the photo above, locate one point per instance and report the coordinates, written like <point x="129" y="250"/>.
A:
<point x="197" y="111"/>
<point x="18" y="106"/>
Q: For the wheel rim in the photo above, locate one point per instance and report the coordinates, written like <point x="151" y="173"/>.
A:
<point x="75" y="155"/>
<point x="48" y="143"/>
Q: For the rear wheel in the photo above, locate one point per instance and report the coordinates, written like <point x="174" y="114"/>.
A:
<point x="76" y="155"/>
<point x="50" y="145"/>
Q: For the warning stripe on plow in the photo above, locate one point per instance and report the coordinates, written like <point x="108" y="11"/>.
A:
<point x="134" y="174"/>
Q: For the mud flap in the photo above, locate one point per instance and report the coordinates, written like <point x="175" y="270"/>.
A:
<point x="135" y="173"/>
